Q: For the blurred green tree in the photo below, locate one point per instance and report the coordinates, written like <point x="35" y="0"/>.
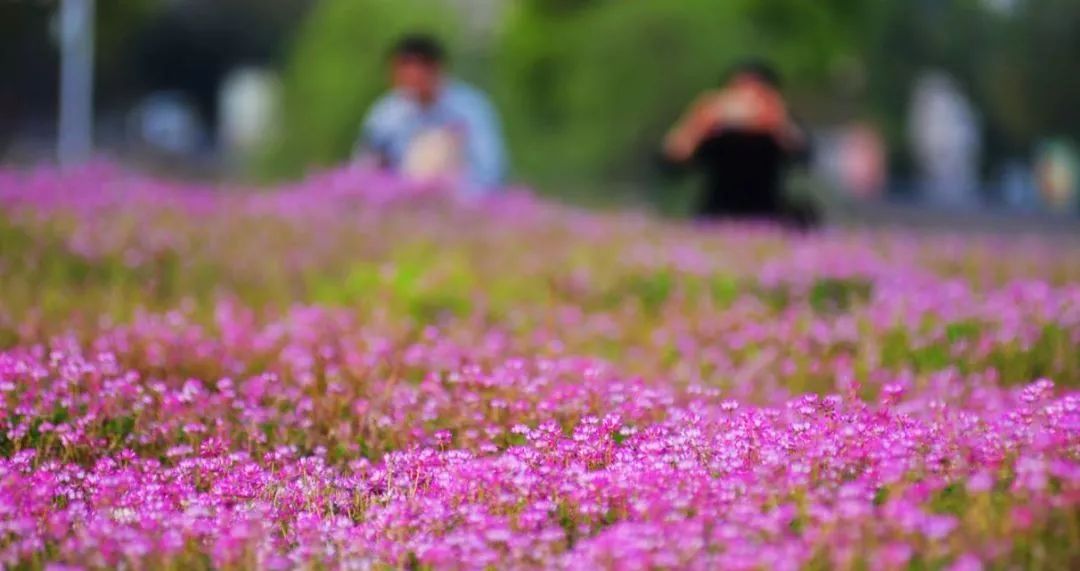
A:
<point x="588" y="87"/>
<point x="1031" y="74"/>
<point x="1018" y="65"/>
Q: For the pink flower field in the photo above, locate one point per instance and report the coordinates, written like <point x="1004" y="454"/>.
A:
<point x="347" y="373"/>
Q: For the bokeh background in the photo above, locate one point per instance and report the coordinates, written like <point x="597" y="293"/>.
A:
<point x="917" y="107"/>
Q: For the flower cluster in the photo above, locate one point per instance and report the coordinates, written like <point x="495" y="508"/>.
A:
<point x="351" y="373"/>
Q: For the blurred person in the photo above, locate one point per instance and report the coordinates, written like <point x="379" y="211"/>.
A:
<point x="1057" y="172"/>
<point x="862" y="161"/>
<point x="743" y="138"/>
<point x="1018" y="185"/>
<point x="432" y="126"/>
<point x="946" y="140"/>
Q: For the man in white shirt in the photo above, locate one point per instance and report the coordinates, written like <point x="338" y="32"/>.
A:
<point x="433" y="126"/>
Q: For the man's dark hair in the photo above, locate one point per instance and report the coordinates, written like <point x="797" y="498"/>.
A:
<point x="760" y="69"/>
<point x="420" y="47"/>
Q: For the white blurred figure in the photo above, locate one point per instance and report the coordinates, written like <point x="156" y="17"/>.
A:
<point x="946" y="140"/>
<point x="249" y="103"/>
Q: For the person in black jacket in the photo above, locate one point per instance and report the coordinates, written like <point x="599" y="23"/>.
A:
<point x="744" y="140"/>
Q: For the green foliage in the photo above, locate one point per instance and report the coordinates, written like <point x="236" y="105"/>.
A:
<point x="1030" y="81"/>
<point x="336" y="70"/>
<point x="952" y="499"/>
<point x="650" y="290"/>
<point x="724" y="290"/>
<point x="1017" y="67"/>
<point x="119" y="429"/>
<point x="839" y="295"/>
<point x="425" y="283"/>
<point x="589" y="88"/>
<point x="115" y="22"/>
